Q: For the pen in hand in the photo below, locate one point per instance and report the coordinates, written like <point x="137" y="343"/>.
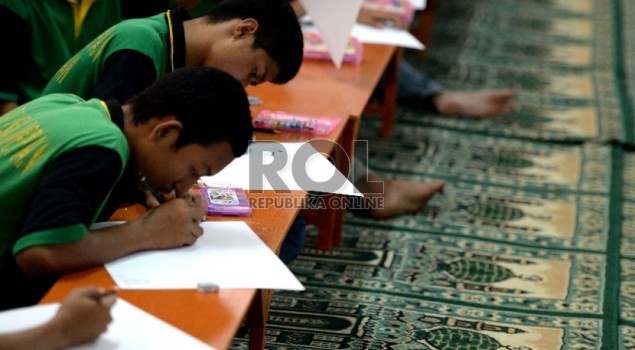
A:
<point x="150" y="189"/>
<point x="104" y="295"/>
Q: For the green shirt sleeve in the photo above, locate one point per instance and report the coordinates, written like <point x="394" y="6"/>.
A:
<point x="56" y="235"/>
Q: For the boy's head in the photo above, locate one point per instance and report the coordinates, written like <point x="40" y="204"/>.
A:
<point x="195" y="121"/>
<point x="276" y="31"/>
<point x="210" y="104"/>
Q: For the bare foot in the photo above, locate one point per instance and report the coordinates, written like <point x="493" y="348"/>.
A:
<point x="400" y="197"/>
<point x="475" y="104"/>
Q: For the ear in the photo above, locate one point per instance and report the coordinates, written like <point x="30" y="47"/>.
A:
<point x="166" y="130"/>
<point x="245" y="27"/>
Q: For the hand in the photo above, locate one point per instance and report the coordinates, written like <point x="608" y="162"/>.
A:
<point x="82" y="317"/>
<point x="175" y="223"/>
<point x="380" y="19"/>
<point x="152" y="202"/>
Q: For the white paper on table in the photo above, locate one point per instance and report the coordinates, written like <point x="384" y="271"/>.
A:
<point x="323" y="175"/>
<point x="418" y="4"/>
<point x="131" y="328"/>
<point x="229" y="254"/>
<point x="334" y="20"/>
<point x="386" y="36"/>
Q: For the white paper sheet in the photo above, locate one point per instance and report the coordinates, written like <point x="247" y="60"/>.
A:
<point x="386" y="36"/>
<point x="418" y="4"/>
<point x="334" y="20"/>
<point x="228" y="254"/>
<point x="300" y="161"/>
<point x="131" y="328"/>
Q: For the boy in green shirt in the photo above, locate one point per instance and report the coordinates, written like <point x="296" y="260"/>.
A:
<point x="46" y="34"/>
<point x="40" y="36"/>
<point x="253" y="40"/>
<point x="67" y="163"/>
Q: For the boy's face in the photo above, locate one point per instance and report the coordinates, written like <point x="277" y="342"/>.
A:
<point x="168" y="169"/>
<point x="249" y="66"/>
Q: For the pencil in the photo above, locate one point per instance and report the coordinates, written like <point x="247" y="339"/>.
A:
<point x="267" y="130"/>
<point x="103" y="295"/>
<point x="150" y="189"/>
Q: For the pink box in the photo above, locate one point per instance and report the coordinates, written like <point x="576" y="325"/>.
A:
<point x="315" y="49"/>
<point x="226" y="201"/>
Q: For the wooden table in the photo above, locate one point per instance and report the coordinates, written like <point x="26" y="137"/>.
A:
<point x="212" y="318"/>
<point x="320" y="88"/>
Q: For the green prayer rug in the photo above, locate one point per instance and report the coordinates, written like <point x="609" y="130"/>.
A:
<point x="564" y="59"/>
<point x="531" y="245"/>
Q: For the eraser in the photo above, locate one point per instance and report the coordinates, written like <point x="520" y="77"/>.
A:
<point x="254" y="100"/>
<point x="207" y="287"/>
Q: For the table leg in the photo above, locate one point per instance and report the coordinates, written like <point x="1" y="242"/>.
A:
<point x="386" y="109"/>
<point x="257" y="317"/>
<point x="424" y="27"/>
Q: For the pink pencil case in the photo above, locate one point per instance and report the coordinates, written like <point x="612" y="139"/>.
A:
<point x="226" y="201"/>
<point x="315" y="49"/>
<point x="316" y="125"/>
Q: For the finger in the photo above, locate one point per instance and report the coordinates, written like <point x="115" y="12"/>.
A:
<point x="193" y="199"/>
<point x="151" y="200"/>
<point x="198" y="221"/>
<point x="198" y="201"/>
<point x="193" y="236"/>
<point x="108" y="300"/>
<point x="88" y="291"/>
<point x="169" y="196"/>
<point x="196" y="231"/>
<point x="201" y="206"/>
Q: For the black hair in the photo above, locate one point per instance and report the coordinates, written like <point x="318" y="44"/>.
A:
<point x="211" y="104"/>
<point x="278" y="33"/>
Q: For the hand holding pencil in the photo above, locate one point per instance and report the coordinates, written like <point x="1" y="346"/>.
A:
<point x="84" y="315"/>
<point x="173" y="224"/>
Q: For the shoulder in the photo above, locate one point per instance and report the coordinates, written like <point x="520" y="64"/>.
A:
<point x="139" y="33"/>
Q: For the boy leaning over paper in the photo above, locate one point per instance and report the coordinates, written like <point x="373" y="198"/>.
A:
<point x="68" y="162"/>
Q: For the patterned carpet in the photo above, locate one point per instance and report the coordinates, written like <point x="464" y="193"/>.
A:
<point x="531" y="246"/>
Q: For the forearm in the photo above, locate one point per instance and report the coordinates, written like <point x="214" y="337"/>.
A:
<point x="45" y="337"/>
<point x="96" y="248"/>
<point x="175" y="223"/>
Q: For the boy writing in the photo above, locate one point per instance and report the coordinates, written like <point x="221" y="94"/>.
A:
<point x="253" y="40"/>
<point x="67" y="163"/>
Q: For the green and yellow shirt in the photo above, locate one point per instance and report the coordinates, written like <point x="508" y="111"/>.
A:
<point x="125" y="59"/>
<point x="42" y="36"/>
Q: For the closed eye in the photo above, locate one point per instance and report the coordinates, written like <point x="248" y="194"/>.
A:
<point x="253" y="77"/>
